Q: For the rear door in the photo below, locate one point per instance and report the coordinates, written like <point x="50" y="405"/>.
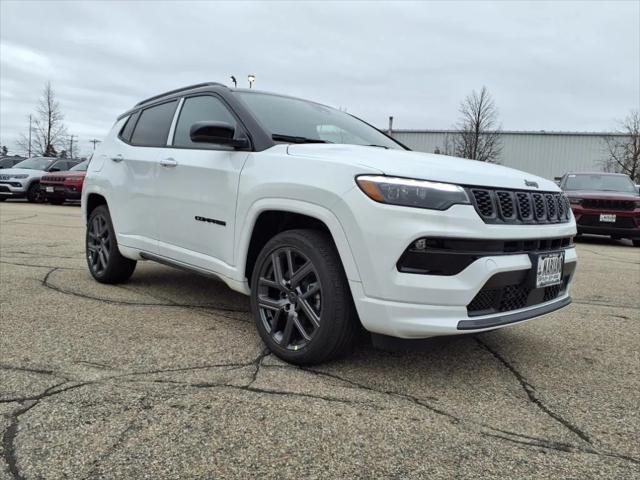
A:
<point x="133" y="166"/>
<point x="196" y="189"/>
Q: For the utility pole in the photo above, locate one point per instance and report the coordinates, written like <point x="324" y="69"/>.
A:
<point x="94" y="141"/>
<point x="71" y="146"/>
<point x="29" y="136"/>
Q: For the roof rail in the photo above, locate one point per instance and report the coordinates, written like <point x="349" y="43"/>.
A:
<point x="177" y="90"/>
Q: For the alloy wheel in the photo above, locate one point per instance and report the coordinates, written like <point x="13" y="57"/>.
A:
<point x="98" y="244"/>
<point x="289" y="298"/>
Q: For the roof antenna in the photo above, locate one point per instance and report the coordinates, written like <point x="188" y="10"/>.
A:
<point x="235" y="82"/>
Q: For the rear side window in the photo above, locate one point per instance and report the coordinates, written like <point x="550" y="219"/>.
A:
<point x="153" y="126"/>
<point x="197" y="109"/>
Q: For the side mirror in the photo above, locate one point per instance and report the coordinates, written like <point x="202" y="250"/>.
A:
<point x="220" y="133"/>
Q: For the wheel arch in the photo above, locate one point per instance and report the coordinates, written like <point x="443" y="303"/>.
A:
<point x="268" y="218"/>
<point x="93" y="201"/>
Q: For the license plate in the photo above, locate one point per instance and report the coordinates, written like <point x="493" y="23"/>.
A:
<point x="49" y="189"/>
<point x="549" y="269"/>
<point x="607" y="217"/>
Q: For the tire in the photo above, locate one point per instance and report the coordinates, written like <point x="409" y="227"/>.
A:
<point x="283" y="310"/>
<point x="636" y="242"/>
<point x="104" y="260"/>
<point x="2" y="199"/>
<point x="34" y="194"/>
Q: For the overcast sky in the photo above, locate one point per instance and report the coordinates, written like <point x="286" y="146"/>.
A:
<point x="549" y="66"/>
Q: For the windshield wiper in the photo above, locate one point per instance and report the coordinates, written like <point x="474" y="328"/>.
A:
<point x="293" y="139"/>
<point x="379" y="146"/>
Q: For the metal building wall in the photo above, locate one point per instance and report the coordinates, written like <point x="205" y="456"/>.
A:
<point x="545" y="154"/>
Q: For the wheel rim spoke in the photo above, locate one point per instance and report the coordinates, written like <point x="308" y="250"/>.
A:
<point x="289" y="298"/>
<point x="313" y="317"/>
<point x="288" y="329"/>
<point x="270" y="303"/>
<point x="301" y="273"/>
<point x="277" y="269"/>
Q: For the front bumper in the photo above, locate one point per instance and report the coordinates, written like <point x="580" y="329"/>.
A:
<point x="627" y="224"/>
<point x="61" y="192"/>
<point x="409" y="305"/>
<point x="12" y="189"/>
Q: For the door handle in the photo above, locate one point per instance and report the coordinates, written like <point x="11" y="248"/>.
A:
<point x="118" y="158"/>
<point x="168" y="162"/>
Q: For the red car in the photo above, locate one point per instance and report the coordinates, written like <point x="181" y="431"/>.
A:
<point x="604" y="204"/>
<point x="60" y="186"/>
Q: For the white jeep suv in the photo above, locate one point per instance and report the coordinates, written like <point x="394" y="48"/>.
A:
<point x="324" y="221"/>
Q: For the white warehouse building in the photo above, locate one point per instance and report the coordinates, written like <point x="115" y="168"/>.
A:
<point x="547" y="154"/>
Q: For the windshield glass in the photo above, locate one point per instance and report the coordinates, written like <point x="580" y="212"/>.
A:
<point x="81" y="167"/>
<point x="35" y="163"/>
<point x="605" y="183"/>
<point x="302" y="121"/>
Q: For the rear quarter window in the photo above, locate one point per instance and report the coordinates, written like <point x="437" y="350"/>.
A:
<point x="127" y="129"/>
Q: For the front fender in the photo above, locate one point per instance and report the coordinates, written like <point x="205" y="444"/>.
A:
<point x="318" y="212"/>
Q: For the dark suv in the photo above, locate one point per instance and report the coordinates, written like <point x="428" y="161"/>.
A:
<point x="604" y="204"/>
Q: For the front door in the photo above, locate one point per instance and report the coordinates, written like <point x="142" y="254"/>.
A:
<point x="196" y="190"/>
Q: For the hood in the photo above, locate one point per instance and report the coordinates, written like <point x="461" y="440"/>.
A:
<point x="425" y="166"/>
<point x="602" y="194"/>
<point x="66" y="174"/>
<point x="21" y="171"/>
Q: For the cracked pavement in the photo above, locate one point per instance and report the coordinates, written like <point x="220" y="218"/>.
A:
<point x="165" y="377"/>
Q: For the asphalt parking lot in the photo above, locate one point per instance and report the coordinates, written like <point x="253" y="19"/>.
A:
<point x="165" y="377"/>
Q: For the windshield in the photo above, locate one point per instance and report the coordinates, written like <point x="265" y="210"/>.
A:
<point x="81" y="167"/>
<point x="35" y="163"/>
<point x="605" y="183"/>
<point x="298" y="121"/>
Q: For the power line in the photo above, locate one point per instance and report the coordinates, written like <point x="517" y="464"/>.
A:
<point x="94" y="141"/>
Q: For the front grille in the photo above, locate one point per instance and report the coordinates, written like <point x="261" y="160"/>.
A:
<point x="484" y="203"/>
<point x="53" y="179"/>
<point x="507" y="206"/>
<point x="484" y="300"/>
<point x="514" y="296"/>
<point x="4" y="188"/>
<point x="604" y="204"/>
<point x="594" y="221"/>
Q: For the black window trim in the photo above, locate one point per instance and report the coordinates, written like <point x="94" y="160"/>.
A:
<point x="139" y="115"/>
<point x="222" y="148"/>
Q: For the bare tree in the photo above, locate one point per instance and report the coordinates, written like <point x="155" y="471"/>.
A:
<point x="48" y="132"/>
<point x="623" y="149"/>
<point x="478" y="132"/>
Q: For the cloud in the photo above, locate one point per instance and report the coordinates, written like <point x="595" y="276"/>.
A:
<point x="551" y="66"/>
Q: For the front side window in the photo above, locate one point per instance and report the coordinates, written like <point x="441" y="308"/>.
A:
<point x="605" y="183"/>
<point x="153" y="126"/>
<point x="198" y="109"/>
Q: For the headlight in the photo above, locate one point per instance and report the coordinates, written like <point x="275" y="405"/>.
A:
<point x="22" y="175"/>
<point x="412" y="193"/>
<point x="575" y="200"/>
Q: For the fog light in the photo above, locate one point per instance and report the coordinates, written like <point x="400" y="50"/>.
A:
<point x="420" y="244"/>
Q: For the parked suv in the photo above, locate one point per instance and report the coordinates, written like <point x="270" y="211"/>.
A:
<point x="23" y="180"/>
<point x="604" y="204"/>
<point x="323" y="220"/>
<point x="60" y="186"/>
